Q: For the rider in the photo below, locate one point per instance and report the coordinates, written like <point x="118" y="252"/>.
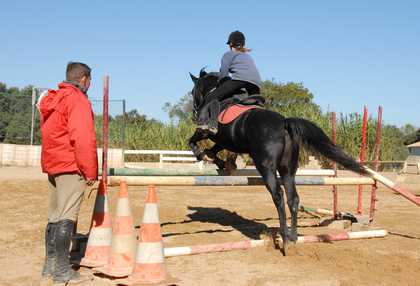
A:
<point x="244" y="75"/>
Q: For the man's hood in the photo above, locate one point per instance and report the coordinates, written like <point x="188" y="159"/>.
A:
<point x="49" y="102"/>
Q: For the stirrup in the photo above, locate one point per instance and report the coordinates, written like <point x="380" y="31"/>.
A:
<point x="213" y="130"/>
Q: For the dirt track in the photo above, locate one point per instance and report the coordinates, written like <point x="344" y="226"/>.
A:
<point x="204" y="215"/>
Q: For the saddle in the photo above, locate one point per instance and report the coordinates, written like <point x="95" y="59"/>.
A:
<point x="239" y="104"/>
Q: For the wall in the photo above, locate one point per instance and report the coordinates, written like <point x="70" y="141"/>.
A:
<point x="26" y="155"/>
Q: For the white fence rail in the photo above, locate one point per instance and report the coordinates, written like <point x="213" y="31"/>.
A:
<point x="191" y="157"/>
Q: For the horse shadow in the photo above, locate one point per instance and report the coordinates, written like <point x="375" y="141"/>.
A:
<point x="249" y="228"/>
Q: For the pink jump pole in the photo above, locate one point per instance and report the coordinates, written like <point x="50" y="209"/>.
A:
<point x="375" y="167"/>
<point x="362" y="160"/>
<point x="342" y="236"/>
<point x="190" y="250"/>
<point x="334" y="168"/>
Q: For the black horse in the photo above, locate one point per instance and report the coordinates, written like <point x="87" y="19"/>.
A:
<point x="273" y="142"/>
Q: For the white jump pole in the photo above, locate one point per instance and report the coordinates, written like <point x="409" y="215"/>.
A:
<point x="228" y="181"/>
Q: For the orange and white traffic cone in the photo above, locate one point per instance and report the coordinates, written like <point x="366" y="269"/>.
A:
<point x="124" y="241"/>
<point x="100" y="235"/>
<point x="149" y="262"/>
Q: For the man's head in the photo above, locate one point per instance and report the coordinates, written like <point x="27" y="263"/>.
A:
<point x="79" y="72"/>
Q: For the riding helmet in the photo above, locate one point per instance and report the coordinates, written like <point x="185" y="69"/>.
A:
<point x="237" y="39"/>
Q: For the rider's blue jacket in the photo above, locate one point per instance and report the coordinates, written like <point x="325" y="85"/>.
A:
<point x="241" y="66"/>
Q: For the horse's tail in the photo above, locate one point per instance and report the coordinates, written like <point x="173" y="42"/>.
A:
<point x="314" y="137"/>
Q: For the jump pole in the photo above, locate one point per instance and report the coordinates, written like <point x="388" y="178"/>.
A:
<point x="230" y="181"/>
<point x="208" y="172"/>
<point x="105" y="129"/>
<point x="375" y="166"/>
<point x="335" y="189"/>
<point x="104" y="136"/>
<point x="394" y="186"/>
<point x="342" y="236"/>
<point x="325" y="212"/>
<point x="190" y="250"/>
<point x="362" y="160"/>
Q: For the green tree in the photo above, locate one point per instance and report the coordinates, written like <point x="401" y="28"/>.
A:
<point x="393" y="139"/>
<point x="16" y="115"/>
<point x="408" y="129"/>
<point x="279" y="96"/>
<point x="410" y="134"/>
<point x="181" y="110"/>
<point x="3" y="87"/>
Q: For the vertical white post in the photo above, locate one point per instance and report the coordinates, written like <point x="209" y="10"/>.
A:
<point x="33" y="113"/>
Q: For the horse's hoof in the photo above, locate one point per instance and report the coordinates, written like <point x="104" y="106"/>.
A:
<point x="230" y="165"/>
<point x="289" y="248"/>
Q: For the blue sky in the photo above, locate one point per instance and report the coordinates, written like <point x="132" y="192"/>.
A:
<point x="347" y="53"/>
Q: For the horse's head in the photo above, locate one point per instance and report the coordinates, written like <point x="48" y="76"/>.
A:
<point x="202" y="86"/>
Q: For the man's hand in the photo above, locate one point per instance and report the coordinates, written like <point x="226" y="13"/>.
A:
<point x="90" y="182"/>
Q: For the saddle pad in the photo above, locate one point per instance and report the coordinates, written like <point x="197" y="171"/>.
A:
<point x="233" y="111"/>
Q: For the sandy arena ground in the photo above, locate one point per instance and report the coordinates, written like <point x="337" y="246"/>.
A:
<point x="205" y="215"/>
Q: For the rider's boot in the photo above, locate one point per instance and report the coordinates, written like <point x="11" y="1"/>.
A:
<point x="214" y="114"/>
<point x="64" y="274"/>
<point x="203" y="119"/>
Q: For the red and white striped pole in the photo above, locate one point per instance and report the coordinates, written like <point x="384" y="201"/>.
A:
<point x="342" y="236"/>
<point x="406" y="194"/>
<point x="190" y="250"/>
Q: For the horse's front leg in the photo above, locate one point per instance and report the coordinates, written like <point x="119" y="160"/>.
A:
<point x="192" y="142"/>
<point x="216" y="160"/>
<point x="206" y="155"/>
<point x="209" y="154"/>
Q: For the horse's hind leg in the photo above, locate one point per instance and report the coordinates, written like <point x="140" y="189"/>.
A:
<point x="293" y="203"/>
<point x="287" y="170"/>
<point x="269" y="173"/>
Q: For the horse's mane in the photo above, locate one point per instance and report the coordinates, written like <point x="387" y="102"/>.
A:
<point x="203" y="73"/>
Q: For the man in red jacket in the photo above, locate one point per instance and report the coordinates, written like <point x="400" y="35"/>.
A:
<point x="69" y="157"/>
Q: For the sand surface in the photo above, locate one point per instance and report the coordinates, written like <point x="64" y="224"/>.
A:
<point x="206" y="215"/>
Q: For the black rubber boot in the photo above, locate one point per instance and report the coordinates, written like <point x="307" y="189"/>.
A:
<point x="64" y="274"/>
<point x="203" y="118"/>
<point x="214" y="114"/>
<point x="49" y="265"/>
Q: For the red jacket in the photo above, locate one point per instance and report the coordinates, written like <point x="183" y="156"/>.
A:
<point x="68" y="133"/>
